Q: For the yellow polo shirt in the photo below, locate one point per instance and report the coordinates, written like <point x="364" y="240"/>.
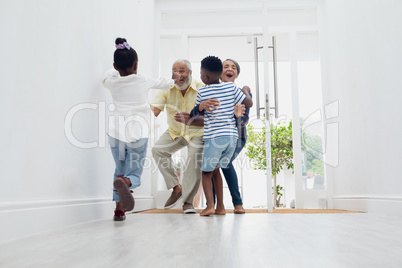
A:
<point x="175" y="102"/>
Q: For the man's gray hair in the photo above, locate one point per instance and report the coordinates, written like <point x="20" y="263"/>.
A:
<point x="186" y="62"/>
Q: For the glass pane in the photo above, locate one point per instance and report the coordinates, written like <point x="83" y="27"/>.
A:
<point x="310" y="101"/>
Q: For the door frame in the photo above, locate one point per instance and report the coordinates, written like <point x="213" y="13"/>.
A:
<point x="266" y="43"/>
<point x="266" y="32"/>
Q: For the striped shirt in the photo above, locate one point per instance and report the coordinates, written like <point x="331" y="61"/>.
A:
<point x="221" y="122"/>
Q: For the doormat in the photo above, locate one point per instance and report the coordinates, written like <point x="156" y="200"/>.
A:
<point x="230" y="211"/>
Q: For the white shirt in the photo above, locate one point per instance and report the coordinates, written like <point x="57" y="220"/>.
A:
<point x="131" y="120"/>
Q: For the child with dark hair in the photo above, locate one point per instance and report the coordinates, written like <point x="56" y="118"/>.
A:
<point x="128" y="132"/>
<point x="220" y="132"/>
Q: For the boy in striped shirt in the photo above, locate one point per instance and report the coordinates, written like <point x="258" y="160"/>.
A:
<point x="220" y="132"/>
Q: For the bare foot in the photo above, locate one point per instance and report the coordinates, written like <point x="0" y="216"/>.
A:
<point x="220" y="210"/>
<point x="208" y="211"/>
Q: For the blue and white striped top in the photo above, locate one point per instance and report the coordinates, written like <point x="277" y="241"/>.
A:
<point x="221" y="122"/>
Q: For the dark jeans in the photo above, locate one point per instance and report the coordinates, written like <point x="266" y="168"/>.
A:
<point x="231" y="176"/>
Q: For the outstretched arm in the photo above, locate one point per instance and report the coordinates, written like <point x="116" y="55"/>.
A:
<point x="162" y="83"/>
<point x="109" y="74"/>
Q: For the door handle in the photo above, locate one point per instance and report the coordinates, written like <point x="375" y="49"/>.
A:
<point x="257" y="86"/>
<point x="274" y="61"/>
<point x="257" y="80"/>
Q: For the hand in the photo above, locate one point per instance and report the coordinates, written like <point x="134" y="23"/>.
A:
<point x="209" y="105"/>
<point x="239" y="110"/>
<point x="182" y="117"/>
<point x="246" y="90"/>
<point x="175" y="77"/>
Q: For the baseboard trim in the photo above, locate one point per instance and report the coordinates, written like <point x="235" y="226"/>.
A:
<point x="41" y="204"/>
<point x="23" y="219"/>
<point x="382" y="205"/>
<point x="372" y="197"/>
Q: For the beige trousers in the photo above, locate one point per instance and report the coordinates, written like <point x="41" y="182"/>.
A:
<point x="162" y="152"/>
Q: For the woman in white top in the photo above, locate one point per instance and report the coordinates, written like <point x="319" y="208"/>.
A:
<point x="128" y="132"/>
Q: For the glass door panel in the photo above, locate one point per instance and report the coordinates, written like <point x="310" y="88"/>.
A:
<point x="311" y="120"/>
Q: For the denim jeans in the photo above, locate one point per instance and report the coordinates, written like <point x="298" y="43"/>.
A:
<point x="231" y="176"/>
<point x="129" y="159"/>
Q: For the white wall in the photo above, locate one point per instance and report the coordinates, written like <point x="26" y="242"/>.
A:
<point x="53" y="55"/>
<point x="363" y="41"/>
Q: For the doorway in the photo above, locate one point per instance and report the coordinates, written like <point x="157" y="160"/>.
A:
<point x="298" y="80"/>
<point x="298" y="69"/>
<point x="252" y="183"/>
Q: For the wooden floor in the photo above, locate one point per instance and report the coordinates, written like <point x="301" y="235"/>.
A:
<point x="250" y="240"/>
<point x="287" y="211"/>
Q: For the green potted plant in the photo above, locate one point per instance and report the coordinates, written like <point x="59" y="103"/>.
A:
<point x="279" y="194"/>
<point x="281" y="151"/>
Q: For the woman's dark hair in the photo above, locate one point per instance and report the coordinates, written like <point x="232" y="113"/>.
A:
<point x="212" y="64"/>
<point x="124" y="58"/>
<point x="235" y="63"/>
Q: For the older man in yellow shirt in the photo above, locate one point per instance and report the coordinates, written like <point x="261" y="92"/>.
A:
<point x="179" y="101"/>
